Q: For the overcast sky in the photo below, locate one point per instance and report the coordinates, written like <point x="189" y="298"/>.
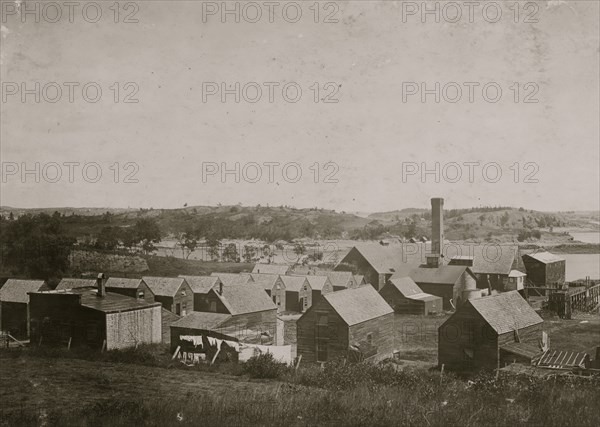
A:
<point x="374" y="55"/>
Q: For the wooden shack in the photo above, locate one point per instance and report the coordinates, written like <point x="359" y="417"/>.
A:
<point x="14" y="301"/>
<point x="346" y="322"/>
<point x="273" y="286"/>
<point x="134" y="288"/>
<point x="93" y="317"/>
<point x="201" y="286"/>
<point x="174" y="293"/>
<point x="545" y="269"/>
<point x="341" y="280"/>
<point x="298" y="293"/>
<point x="445" y="281"/>
<point x="405" y="297"/>
<point x="488" y="332"/>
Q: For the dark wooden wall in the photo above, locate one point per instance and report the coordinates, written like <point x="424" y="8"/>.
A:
<point x="382" y="333"/>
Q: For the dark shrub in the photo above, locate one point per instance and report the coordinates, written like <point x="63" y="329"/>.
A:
<point x="264" y="366"/>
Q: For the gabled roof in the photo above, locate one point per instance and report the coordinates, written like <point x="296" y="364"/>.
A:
<point x="267" y="281"/>
<point x="122" y="283"/>
<point x="233" y="278"/>
<point x="294" y="283"/>
<point x="340" y="278"/>
<point x="358" y="305"/>
<point x="317" y="283"/>
<point x="505" y="312"/>
<point x="516" y="273"/>
<point x="445" y="274"/>
<point x="201" y="284"/>
<point x="400" y="259"/>
<point x="164" y="286"/>
<point x="242" y="299"/>
<point x="405" y="285"/>
<point x="110" y="303"/>
<point x="271" y="268"/>
<point x="544" y="257"/>
<point x="15" y="290"/>
<point x="201" y="320"/>
<point x="72" y="283"/>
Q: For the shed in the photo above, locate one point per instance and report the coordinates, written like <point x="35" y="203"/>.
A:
<point x="201" y="286"/>
<point x="473" y="337"/>
<point x="406" y="297"/>
<point x="341" y="280"/>
<point x="174" y="293"/>
<point x="87" y="316"/>
<point x="134" y="288"/>
<point x="516" y="281"/>
<point x="298" y="293"/>
<point x="342" y="322"/>
<point x="545" y="269"/>
<point x="14" y="301"/>
<point x="445" y="281"/>
<point x="271" y="268"/>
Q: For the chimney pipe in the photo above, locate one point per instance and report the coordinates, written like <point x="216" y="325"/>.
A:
<point x="101" y="285"/>
<point x="220" y="288"/>
<point x="437" y="225"/>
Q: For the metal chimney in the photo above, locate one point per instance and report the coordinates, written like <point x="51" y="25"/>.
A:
<point x="437" y="225"/>
<point x="101" y="285"/>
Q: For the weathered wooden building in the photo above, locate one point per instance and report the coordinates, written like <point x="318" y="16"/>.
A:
<point x="320" y="285"/>
<point x="273" y="286"/>
<point x="405" y="297"/>
<point x="545" y="269"/>
<point x="271" y="269"/>
<point x="14" y="302"/>
<point x="249" y="305"/>
<point x="446" y="281"/>
<point x="233" y="278"/>
<point x="345" y="322"/>
<point x="134" y="288"/>
<point x="174" y="293"/>
<point x="489" y="332"/>
<point x="93" y="317"/>
<point x="341" y="280"/>
<point x="201" y="286"/>
<point x="298" y="293"/>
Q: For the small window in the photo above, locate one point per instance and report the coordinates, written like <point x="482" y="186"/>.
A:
<point x="182" y="293"/>
<point x="213" y="306"/>
<point x="141" y="294"/>
<point x="370" y="338"/>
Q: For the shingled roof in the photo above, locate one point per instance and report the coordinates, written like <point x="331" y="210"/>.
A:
<point x="123" y="283"/>
<point x="248" y="298"/>
<point x="317" y="283"/>
<point x="294" y="283"/>
<point x="233" y="278"/>
<point x="506" y="312"/>
<point x="72" y="283"/>
<point x="15" y="290"/>
<point x="340" y="278"/>
<point x="405" y="285"/>
<point x="271" y="268"/>
<point x="445" y="274"/>
<point x="164" y="286"/>
<point x="201" y="284"/>
<point x="267" y="281"/>
<point x="358" y="305"/>
<point x="201" y="320"/>
<point x="544" y="257"/>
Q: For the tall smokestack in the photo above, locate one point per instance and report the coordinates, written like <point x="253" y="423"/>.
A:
<point x="437" y="225"/>
<point x="101" y="285"/>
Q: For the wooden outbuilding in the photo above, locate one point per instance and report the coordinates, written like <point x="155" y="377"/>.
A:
<point x="341" y="280"/>
<point x="545" y="269"/>
<point x="14" y="305"/>
<point x="346" y="323"/>
<point x="174" y="293"/>
<point x="93" y="317"/>
<point x="298" y="293"/>
<point x="406" y="297"/>
<point x="201" y="286"/>
<point x="489" y="332"/>
<point x="273" y="286"/>
<point x="446" y="281"/>
<point x="134" y="288"/>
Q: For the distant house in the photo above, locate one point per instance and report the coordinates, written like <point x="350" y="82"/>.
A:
<point x="446" y="281"/>
<point x="491" y="264"/>
<point x="516" y="281"/>
<point x="72" y="283"/>
<point x="489" y="332"/>
<point x="201" y="286"/>
<point x="545" y="269"/>
<point x="341" y="280"/>
<point x="249" y="305"/>
<point x="233" y="278"/>
<point x="14" y="301"/>
<point x="405" y="297"/>
<point x="298" y="293"/>
<point x="320" y="285"/>
<point x="134" y="288"/>
<point x="344" y="323"/>
<point x="174" y="293"/>
<point x="271" y="269"/>
<point x="93" y="317"/>
<point x="273" y="286"/>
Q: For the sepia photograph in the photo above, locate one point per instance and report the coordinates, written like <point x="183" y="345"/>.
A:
<point x="300" y="213"/>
